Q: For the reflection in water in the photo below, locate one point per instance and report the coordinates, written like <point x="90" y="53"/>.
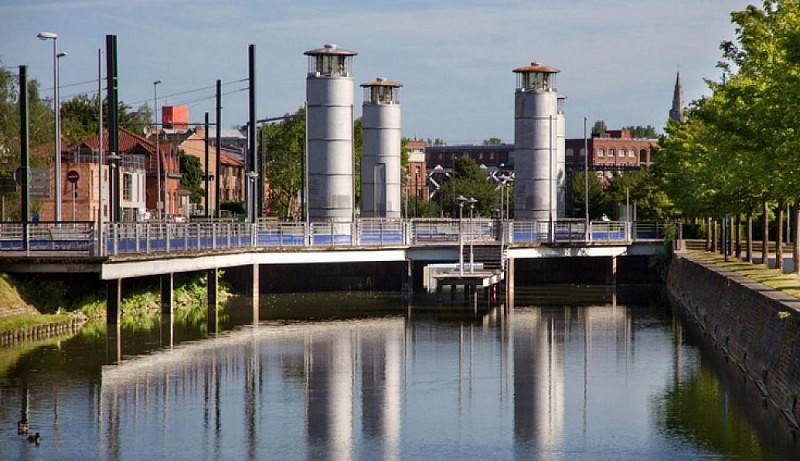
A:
<point x="554" y="381"/>
<point x="538" y="379"/>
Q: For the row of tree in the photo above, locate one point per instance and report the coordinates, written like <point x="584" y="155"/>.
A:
<point x="738" y="153"/>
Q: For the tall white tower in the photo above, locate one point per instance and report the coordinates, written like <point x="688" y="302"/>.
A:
<point x="381" y="159"/>
<point x="329" y="133"/>
<point x="536" y="120"/>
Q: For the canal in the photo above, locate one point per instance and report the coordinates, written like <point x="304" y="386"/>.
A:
<point x="568" y="373"/>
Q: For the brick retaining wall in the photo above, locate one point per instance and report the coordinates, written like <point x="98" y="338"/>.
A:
<point x="754" y="326"/>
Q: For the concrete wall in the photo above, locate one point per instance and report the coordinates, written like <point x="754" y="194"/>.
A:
<point x="753" y="326"/>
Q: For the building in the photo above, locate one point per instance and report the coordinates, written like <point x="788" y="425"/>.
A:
<point x="232" y="172"/>
<point x="613" y="152"/>
<point x="676" y="112"/>
<point x="136" y="170"/>
<point x="416" y="184"/>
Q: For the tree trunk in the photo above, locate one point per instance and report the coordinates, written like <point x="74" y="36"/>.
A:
<point x="796" y="237"/>
<point x="779" y="236"/>
<point x="765" y="234"/>
<point x="749" y="236"/>
<point x="712" y="224"/>
<point x="708" y="234"/>
<point x="738" y="237"/>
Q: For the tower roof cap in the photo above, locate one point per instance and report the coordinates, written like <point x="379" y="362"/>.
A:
<point x="381" y="81"/>
<point x="330" y="49"/>
<point x="537" y="66"/>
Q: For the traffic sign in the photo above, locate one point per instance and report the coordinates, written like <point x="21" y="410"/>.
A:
<point x="73" y="176"/>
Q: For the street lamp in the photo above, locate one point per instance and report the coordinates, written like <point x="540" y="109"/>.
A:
<point x="472" y="203"/>
<point x="56" y="111"/>
<point x="158" y="148"/>
<point x="460" y="199"/>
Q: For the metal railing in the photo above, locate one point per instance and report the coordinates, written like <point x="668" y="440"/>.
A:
<point x="159" y="237"/>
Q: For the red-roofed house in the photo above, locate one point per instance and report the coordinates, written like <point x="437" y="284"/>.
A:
<point x="137" y="180"/>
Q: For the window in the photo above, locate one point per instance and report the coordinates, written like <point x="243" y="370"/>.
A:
<point x="570" y="152"/>
<point x="622" y="152"/>
<point x="631" y="153"/>
<point x="127" y="187"/>
<point x="583" y="152"/>
<point x="610" y="152"/>
<point x="600" y="152"/>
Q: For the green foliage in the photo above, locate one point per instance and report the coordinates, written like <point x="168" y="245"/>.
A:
<point x="599" y="128"/>
<point x="576" y="196"/>
<point x="492" y="142"/>
<point x="285" y="146"/>
<point x="192" y="176"/>
<point x="740" y="147"/>
<point x="642" y="132"/>
<point x="468" y="180"/>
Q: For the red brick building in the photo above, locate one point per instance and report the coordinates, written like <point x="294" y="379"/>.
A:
<point x="614" y="151"/>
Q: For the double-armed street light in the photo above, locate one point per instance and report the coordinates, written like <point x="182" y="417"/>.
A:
<point x="461" y="201"/>
<point x="57" y="113"/>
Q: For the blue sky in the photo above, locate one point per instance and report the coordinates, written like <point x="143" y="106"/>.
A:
<point x="618" y="59"/>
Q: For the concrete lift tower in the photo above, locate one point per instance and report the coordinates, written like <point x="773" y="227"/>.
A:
<point x="537" y="167"/>
<point x="329" y="134"/>
<point x="381" y="159"/>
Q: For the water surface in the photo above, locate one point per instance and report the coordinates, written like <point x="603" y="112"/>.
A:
<point x="572" y="373"/>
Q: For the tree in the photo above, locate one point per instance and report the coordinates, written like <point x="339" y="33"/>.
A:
<point x="492" y="142"/>
<point x="285" y="147"/>
<point x="576" y="195"/>
<point x="192" y="176"/>
<point x="80" y="116"/>
<point x="468" y="180"/>
<point x="642" y="132"/>
<point x="599" y="128"/>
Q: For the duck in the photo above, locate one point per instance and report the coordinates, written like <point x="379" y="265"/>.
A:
<point x="34" y="438"/>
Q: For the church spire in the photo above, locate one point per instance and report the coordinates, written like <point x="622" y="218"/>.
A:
<point x="676" y="113"/>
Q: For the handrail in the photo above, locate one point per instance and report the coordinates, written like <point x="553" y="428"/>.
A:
<point x="158" y="237"/>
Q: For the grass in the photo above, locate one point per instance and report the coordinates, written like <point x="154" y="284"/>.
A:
<point x="25" y="321"/>
<point x="785" y="283"/>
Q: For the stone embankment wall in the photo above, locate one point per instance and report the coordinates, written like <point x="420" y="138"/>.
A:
<point x="755" y="327"/>
<point x="40" y="332"/>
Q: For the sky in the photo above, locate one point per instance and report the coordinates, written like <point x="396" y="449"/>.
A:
<point x="618" y="59"/>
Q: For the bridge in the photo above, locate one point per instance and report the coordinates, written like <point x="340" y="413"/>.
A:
<point x="117" y="251"/>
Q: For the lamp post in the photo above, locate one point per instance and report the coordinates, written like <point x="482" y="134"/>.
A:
<point x="472" y="203"/>
<point x="56" y="111"/>
<point x="115" y="205"/>
<point x="460" y="199"/>
<point x="251" y="179"/>
<point x="158" y="148"/>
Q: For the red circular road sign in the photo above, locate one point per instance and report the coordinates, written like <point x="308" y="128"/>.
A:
<point x="73" y="176"/>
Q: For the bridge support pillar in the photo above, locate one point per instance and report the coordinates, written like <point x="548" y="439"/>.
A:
<point x="509" y="279"/>
<point x="254" y="288"/>
<point x="167" y="330"/>
<point x="408" y="279"/>
<point x="166" y="293"/>
<point x="612" y="275"/>
<point x="113" y="301"/>
<point x="212" y="314"/>
<point x="113" y="344"/>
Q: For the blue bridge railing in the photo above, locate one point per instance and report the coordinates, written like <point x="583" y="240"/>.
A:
<point x="157" y="237"/>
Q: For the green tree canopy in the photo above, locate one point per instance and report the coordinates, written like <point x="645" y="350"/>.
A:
<point x="468" y="180"/>
<point x="192" y="176"/>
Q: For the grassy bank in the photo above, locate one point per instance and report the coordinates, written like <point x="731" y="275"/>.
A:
<point x="26" y="302"/>
<point x="786" y="283"/>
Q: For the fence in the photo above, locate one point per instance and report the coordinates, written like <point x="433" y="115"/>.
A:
<point x="155" y="237"/>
